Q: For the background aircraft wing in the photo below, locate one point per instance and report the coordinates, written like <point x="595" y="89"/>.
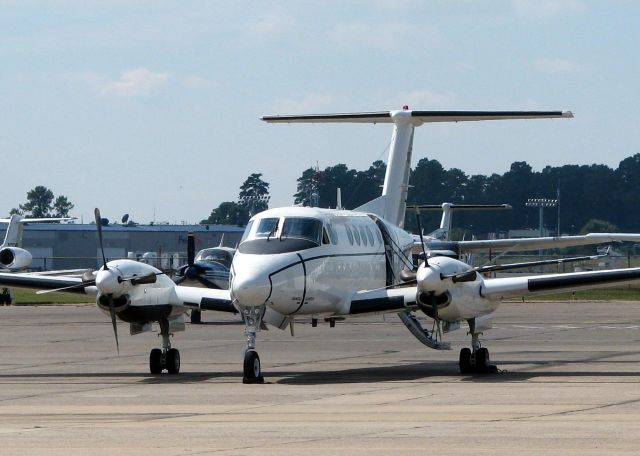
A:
<point x="40" y="282"/>
<point x="203" y="298"/>
<point x="545" y="242"/>
<point x="509" y="287"/>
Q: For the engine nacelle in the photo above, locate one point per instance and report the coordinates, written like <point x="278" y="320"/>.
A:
<point x="14" y="258"/>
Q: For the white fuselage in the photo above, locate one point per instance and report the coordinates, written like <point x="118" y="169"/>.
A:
<point x="305" y="261"/>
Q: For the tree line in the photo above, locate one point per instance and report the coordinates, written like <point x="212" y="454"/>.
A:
<point x="591" y="196"/>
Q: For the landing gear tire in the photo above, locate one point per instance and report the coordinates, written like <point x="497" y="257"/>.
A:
<point x="482" y="361"/>
<point x="196" y="317"/>
<point x="465" y="361"/>
<point x="155" y="361"/>
<point x="173" y="361"/>
<point x="251" y="367"/>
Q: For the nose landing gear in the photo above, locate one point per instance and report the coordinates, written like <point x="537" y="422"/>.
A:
<point x="166" y="358"/>
<point x="478" y="361"/>
<point x="252" y="372"/>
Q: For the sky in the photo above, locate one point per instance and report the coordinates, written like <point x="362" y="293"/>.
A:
<point x="153" y="108"/>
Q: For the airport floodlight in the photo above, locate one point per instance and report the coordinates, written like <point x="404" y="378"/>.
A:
<point x="541" y="202"/>
<point x="252" y="200"/>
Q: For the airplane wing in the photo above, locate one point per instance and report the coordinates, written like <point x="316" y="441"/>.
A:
<point x="509" y="287"/>
<point x="202" y="298"/>
<point x="545" y="242"/>
<point x="39" y="282"/>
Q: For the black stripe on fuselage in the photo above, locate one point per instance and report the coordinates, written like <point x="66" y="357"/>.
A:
<point x="553" y="283"/>
<point x="377" y="305"/>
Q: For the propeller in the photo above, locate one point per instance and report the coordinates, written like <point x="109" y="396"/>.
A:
<point x="424" y="251"/>
<point x="193" y="271"/>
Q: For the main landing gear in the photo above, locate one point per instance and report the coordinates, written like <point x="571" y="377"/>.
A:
<point x="252" y="372"/>
<point x="476" y="361"/>
<point x="166" y="358"/>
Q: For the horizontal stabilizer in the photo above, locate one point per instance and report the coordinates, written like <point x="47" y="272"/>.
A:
<point x="416" y="117"/>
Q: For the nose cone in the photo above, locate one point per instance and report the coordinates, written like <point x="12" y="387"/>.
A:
<point x="429" y="280"/>
<point x="250" y="288"/>
<point x="109" y="282"/>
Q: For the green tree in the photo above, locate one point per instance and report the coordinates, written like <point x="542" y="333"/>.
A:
<point x="254" y="192"/>
<point x="62" y="206"/>
<point x="599" y="226"/>
<point x="39" y="202"/>
<point x="228" y="213"/>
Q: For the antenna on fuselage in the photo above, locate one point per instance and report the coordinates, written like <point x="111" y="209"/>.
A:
<point x="339" y="198"/>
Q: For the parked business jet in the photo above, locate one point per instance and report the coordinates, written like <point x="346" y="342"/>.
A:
<point x="301" y="261"/>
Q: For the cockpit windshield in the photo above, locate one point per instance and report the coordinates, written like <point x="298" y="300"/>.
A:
<point x="280" y="235"/>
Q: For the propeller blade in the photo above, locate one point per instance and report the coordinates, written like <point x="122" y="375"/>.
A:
<point x="468" y="276"/>
<point x="207" y="283"/>
<point x="96" y="213"/>
<point x="426" y="260"/>
<point x="112" y="312"/>
<point x="191" y="248"/>
<point x="78" y="285"/>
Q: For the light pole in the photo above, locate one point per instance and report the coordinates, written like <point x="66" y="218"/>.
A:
<point x="252" y="200"/>
<point x="541" y="203"/>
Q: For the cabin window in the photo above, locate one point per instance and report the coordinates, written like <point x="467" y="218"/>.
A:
<point x="356" y="235"/>
<point x="267" y="227"/>
<point x="363" y="235"/>
<point x="349" y="235"/>
<point x="333" y="234"/>
<point x="370" y="236"/>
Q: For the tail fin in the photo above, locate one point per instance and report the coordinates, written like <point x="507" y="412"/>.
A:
<point x="13" y="237"/>
<point x="391" y="205"/>
<point x="444" y="231"/>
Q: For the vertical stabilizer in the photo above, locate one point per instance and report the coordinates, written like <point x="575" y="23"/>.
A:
<point x="391" y="205"/>
<point x="13" y="237"/>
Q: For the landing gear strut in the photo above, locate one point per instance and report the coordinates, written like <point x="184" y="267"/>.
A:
<point x="166" y="358"/>
<point x="252" y="372"/>
<point x="476" y="361"/>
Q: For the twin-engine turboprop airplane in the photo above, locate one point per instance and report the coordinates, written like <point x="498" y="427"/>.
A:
<point x="320" y="262"/>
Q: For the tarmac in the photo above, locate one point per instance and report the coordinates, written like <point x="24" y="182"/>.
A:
<point x="568" y="384"/>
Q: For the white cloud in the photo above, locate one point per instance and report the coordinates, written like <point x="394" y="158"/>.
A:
<point x="310" y="103"/>
<point x="557" y="66"/>
<point x="272" y="23"/>
<point x="548" y="7"/>
<point x="385" y="36"/>
<point x="425" y="100"/>
<point x="134" y="83"/>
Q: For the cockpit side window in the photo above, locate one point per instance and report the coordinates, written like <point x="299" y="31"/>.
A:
<point x="302" y="228"/>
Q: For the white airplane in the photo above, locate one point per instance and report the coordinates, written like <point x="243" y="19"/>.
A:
<point x="12" y="256"/>
<point x="301" y="261"/>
